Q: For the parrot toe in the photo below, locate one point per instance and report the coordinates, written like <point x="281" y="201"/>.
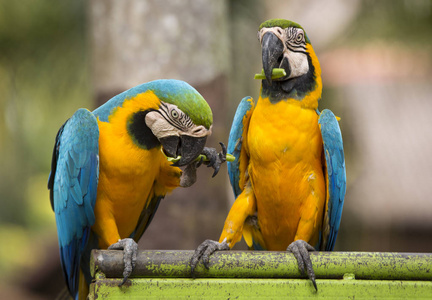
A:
<point x="215" y="160"/>
<point x="301" y="250"/>
<point x="203" y="252"/>
<point x="130" y="248"/>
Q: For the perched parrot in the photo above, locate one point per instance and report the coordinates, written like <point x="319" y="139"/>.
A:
<point x="110" y="170"/>
<point x="289" y="173"/>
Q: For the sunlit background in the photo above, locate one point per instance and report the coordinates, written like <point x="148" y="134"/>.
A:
<point x="58" y="56"/>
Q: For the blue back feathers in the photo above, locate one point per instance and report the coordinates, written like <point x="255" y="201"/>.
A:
<point x="335" y="163"/>
<point x="73" y="189"/>
<point x="235" y="143"/>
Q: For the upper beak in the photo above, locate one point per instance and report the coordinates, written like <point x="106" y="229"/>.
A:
<point x="272" y="54"/>
<point x="186" y="146"/>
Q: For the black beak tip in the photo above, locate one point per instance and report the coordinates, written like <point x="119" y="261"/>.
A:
<point x="269" y="80"/>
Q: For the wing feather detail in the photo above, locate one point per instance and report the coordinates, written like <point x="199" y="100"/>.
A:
<point x="335" y="175"/>
<point x="73" y="186"/>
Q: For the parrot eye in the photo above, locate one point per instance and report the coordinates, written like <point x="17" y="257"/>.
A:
<point x="174" y="114"/>
<point x="299" y="37"/>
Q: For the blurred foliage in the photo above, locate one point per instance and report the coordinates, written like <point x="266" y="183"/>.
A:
<point x="44" y="77"/>
<point x="405" y="21"/>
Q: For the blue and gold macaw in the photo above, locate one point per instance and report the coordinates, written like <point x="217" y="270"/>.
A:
<point x="110" y="170"/>
<point x="289" y="174"/>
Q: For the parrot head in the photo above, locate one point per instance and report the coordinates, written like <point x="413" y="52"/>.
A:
<point x="285" y="45"/>
<point x="182" y="122"/>
<point x="166" y="112"/>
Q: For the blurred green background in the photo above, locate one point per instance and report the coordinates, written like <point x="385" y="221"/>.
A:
<point x="58" y="56"/>
<point x="44" y="77"/>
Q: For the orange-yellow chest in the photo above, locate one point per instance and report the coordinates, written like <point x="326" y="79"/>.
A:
<point x="127" y="172"/>
<point x="127" y="175"/>
<point x="285" y="148"/>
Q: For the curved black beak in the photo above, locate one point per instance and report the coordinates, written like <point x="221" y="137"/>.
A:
<point x="188" y="147"/>
<point x="272" y="54"/>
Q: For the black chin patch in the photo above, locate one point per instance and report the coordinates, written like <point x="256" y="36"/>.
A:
<point x="139" y="131"/>
<point x="294" y="88"/>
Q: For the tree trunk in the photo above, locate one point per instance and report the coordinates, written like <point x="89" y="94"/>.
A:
<point x="138" y="41"/>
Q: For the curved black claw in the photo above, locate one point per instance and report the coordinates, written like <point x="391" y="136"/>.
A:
<point x="130" y="248"/>
<point x="215" y="159"/>
<point x="203" y="252"/>
<point x="301" y="250"/>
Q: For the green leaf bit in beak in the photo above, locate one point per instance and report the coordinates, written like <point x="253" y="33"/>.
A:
<point x="276" y="73"/>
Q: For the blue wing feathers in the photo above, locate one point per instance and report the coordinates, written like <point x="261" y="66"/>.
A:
<point x="335" y="163"/>
<point x="75" y="191"/>
<point x="73" y="182"/>
<point x="235" y="143"/>
<point x="84" y="178"/>
<point x="54" y="165"/>
<point x="91" y="180"/>
<point x="329" y="166"/>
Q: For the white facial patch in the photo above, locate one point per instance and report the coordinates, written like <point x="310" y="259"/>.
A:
<point x="169" y="120"/>
<point x="294" y="43"/>
<point x="159" y="126"/>
<point x="298" y="63"/>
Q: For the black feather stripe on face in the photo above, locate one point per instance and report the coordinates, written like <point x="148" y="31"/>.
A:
<point x="298" y="51"/>
<point x="295" y="40"/>
<point x="181" y="121"/>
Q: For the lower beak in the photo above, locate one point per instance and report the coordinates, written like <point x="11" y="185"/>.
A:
<point x="272" y="54"/>
<point x="188" y="147"/>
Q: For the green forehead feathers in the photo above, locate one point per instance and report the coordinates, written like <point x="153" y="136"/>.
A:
<point x="282" y="23"/>
<point x="172" y="91"/>
<point x="186" y="98"/>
